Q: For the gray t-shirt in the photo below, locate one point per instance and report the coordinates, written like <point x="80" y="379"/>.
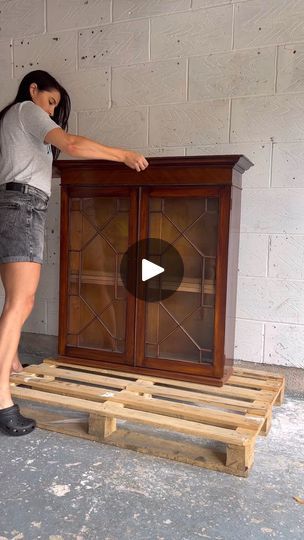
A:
<point x="23" y="155"/>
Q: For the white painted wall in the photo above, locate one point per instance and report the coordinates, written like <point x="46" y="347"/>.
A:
<point x="182" y="77"/>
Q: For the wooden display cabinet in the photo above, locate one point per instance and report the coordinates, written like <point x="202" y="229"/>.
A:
<point x="194" y="203"/>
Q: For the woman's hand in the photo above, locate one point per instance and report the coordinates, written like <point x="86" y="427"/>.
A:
<point x="135" y="160"/>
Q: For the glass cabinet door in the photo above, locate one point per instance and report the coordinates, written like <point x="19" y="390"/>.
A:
<point x="97" y="300"/>
<point x="107" y="323"/>
<point x="180" y="328"/>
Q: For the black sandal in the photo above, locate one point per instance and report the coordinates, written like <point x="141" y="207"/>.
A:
<point x="13" y="423"/>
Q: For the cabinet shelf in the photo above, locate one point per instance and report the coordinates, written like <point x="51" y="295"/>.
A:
<point x="187" y="285"/>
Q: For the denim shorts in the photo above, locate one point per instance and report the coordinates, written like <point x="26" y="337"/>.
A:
<point x="22" y="225"/>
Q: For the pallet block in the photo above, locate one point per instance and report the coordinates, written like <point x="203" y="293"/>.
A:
<point x="228" y="418"/>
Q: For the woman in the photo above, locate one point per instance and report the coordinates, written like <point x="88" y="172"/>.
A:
<point x="29" y="140"/>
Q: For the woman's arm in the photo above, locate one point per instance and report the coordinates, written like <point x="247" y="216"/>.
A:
<point x="77" y="146"/>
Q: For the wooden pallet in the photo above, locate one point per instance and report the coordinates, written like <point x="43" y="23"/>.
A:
<point x="228" y="418"/>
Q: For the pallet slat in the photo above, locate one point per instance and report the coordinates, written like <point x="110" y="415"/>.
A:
<point x="188" y="412"/>
<point x="257" y="373"/>
<point x="43" y="369"/>
<point x="252" y="382"/>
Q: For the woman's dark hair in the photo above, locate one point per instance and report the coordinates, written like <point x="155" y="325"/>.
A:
<point x="44" y="81"/>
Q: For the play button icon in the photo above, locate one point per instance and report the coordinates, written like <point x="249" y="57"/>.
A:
<point x="149" y="270"/>
<point x="152" y="269"/>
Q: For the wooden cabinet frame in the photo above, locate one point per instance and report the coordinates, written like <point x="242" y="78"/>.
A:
<point x="189" y="177"/>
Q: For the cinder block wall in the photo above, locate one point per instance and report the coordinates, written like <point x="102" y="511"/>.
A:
<point x="182" y="77"/>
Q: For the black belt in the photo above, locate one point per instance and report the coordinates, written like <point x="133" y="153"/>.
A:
<point x="25" y="188"/>
<point x="15" y="186"/>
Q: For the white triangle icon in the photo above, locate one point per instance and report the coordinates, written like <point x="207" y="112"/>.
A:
<point x="149" y="270"/>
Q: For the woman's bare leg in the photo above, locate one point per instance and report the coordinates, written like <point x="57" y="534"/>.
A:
<point x="16" y="364"/>
<point x="20" y="281"/>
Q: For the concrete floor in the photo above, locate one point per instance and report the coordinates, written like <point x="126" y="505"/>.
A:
<point x="54" y="487"/>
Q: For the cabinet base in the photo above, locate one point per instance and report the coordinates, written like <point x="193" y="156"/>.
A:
<point x="200" y="379"/>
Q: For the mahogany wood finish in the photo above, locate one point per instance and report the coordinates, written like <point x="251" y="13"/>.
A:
<point x="193" y="203"/>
